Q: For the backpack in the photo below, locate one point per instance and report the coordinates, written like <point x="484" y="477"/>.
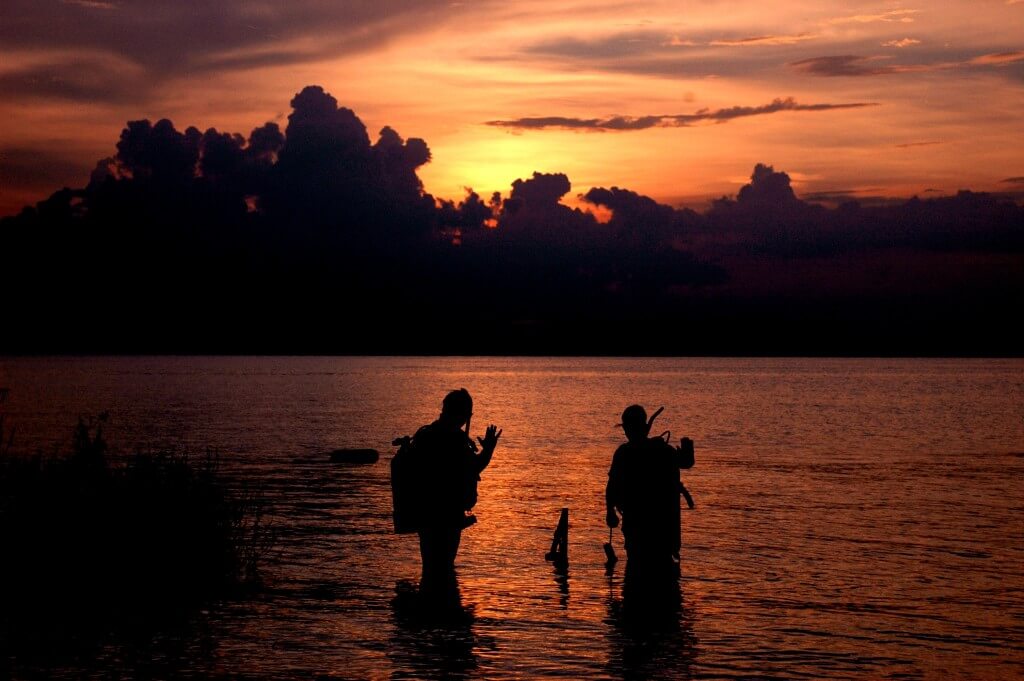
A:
<point x="415" y="487"/>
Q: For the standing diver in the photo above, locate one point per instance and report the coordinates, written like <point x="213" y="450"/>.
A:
<point x="435" y="486"/>
<point x="644" y="486"/>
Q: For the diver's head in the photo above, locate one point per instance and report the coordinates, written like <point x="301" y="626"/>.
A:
<point x="634" y="422"/>
<point x="457" y="407"/>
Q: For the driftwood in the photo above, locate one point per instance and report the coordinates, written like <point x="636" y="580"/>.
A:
<point x="559" y="553"/>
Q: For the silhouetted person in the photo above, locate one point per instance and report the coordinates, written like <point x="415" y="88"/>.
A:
<point x="448" y="467"/>
<point x="644" y="486"/>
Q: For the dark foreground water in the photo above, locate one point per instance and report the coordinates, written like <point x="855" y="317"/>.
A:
<point x="855" y="518"/>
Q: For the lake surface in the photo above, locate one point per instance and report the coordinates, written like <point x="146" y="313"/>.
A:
<point x="854" y="518"/>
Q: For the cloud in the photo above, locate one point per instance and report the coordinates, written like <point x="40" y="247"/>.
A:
<point x="615" y="46"/>
<point x="25" y="167"/>
<point x="639" y="219"/>
<point x="764" y="40"/>
<point x="628" y="123"/>
<point x="167" y="40"/>
<point x="703" y="53"/>
<point x="647" y="42"/>
<point x="329" y="173"/>
<point x="904" y="42"/>
<point x="543" y="189"/>
<point x="81" y="79"/>
<point x="998" y="58"/>
<point x="28" y="172"/>
<point x="92" y="4"/>
<point x="904" y="16"/>
<point x="1013" y="180"/>
<point x="857" y="65"/>
<point x="909" y="145"/>
<point x="278" y="238"/>
<point x="613" y="123"/>
<point x="863" y="197"/>
<point x="767" y="188"/>
<point x="850" y="65"/>
<point x="676" y="41"/>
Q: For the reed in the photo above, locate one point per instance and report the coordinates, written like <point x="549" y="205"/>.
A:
<point x="83" y="534"/>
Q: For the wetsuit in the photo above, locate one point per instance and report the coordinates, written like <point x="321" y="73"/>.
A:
<point x="643" y="484"/>
<point x="449" y="470"/>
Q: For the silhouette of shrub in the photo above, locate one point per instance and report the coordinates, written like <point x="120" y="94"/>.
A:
<point x="85" y="536"/>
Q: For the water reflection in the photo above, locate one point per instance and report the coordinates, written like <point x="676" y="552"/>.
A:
<point x="837" y="473"/>
<point x="433" y="635"/>
<point x="561" y="573"/>
<point x="651" y="630"/>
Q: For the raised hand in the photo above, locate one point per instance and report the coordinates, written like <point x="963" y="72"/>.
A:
<point x="684" y="453"/>
<point x="490" y="440"/>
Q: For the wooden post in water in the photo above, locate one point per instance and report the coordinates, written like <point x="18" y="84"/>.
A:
<point x="559" y="552"/>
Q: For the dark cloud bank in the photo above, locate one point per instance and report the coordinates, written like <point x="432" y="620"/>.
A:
<point x="317" y="238"/>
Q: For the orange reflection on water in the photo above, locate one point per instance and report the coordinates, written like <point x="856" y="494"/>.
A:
<point x="854" y="518"/>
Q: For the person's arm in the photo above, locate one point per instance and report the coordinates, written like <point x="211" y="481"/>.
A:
<point x="611" y="518"/>
<point x="487" y="444"/>
<point x="611" y="493"/>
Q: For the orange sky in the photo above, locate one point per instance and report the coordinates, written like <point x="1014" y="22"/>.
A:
<point x="940" y="88"/>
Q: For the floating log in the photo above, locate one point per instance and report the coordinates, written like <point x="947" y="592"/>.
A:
<point x="354" y="456"/>
<point x="559" y="552"/>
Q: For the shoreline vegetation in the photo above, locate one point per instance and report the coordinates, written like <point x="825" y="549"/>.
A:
<point x="94" y="542"/>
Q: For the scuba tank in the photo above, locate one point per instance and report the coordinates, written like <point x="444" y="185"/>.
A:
<point x="405" y="492"/>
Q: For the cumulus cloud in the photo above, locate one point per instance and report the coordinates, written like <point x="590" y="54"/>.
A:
<point x="329" y="173"/>
<point x="305" y="238"/>
<point x="627" y="123"/>
<point x="639" y="219"/>
<point x="158" y="152"/>
<point x="543" y="189"/>
<point x="767" y="188"/>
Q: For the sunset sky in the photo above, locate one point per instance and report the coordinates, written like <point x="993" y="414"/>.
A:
<point x="676" y="100"/>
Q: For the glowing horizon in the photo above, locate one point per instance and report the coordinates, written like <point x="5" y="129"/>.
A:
<point x="677" y="101"/>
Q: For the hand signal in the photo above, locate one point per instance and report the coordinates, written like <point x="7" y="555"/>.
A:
<point x="490" y="440"/>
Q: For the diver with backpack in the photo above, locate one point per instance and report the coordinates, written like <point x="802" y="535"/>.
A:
<point x="644" y="486"/>
<point x="434" y="478"/>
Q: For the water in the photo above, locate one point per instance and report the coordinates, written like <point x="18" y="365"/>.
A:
<point x="855" y="518"/>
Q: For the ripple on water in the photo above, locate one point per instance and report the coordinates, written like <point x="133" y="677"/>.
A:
<point x="855" y="518"/>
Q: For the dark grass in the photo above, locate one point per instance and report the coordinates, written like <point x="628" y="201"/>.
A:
<point x="89" y="544"/>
